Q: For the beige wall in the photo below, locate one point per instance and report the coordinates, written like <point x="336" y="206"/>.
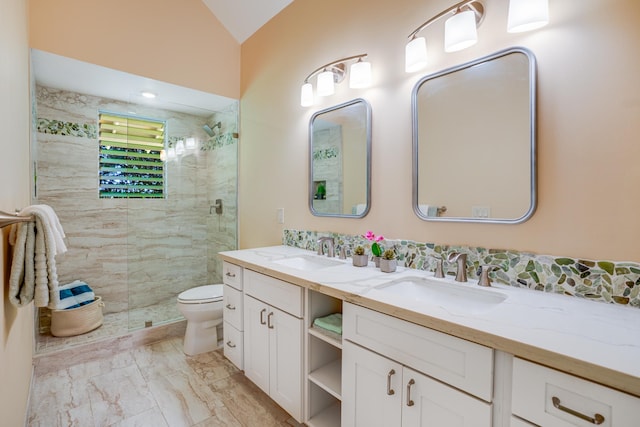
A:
<point x="16" y="325"/>
<point x="179" y="42"/>
<point x="589" y="106"/>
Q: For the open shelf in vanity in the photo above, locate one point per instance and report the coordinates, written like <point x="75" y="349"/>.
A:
<point x="324" y="364"/>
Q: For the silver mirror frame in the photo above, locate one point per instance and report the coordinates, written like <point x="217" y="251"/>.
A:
<point x="368" y="160"/>
<point x="532" y="151"/>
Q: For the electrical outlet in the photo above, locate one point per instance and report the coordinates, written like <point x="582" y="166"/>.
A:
<point x="280" y="215"/>
<point x="480" y="211"/>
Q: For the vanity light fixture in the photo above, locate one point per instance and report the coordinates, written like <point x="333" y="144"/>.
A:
<point x="334" y="72"/>
<point x="147" y="94"/>
<point x="460" y="30"/>
<point x="525" y="15"/>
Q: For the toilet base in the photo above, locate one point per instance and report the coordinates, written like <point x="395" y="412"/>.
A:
<point x="201" y="337"/>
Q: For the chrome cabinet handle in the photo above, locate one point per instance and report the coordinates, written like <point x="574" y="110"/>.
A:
<point x="229" y="274"/>
<point x="269" y="320"/>
<point x="409" y="384"/>
<point x="262" y="312"/>
<point x="231" y="307"/>
<point x="597" y="418"/>
<point x="390" y="391"/>
<point x="230" y="344"/>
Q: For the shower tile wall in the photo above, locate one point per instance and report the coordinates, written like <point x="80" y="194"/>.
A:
<point x="135" y="253"/>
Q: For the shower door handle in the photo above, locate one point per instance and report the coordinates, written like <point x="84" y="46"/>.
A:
<point x="262" y="312"/>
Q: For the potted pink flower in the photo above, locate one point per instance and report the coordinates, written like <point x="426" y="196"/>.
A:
<point x="376" y="248"/>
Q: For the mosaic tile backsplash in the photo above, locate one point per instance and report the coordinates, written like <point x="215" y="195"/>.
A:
<point x="604" y="281"/>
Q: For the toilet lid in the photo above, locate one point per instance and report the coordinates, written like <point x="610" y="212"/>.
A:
<point x="201" y="294"/>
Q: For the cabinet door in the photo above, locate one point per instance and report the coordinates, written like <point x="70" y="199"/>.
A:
<point x="371" y="389"/>
<point x="427" y="402"/>
<point x="285" y="356"/>
<point x="256" y="342"/>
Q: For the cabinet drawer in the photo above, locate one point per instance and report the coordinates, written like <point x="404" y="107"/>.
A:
<point x="277" y="293"/>
<point x="552" y="398"/>
<point x="233" y="341"/>
<point x="462" y="364"/>
<point x="232" y="275"/>
<point x="232" y="309"/>
<point x="517" y="422"/>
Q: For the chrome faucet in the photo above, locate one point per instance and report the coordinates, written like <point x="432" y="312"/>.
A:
<point x="461" y="261"/>
<point x="439" y="271"/>
<point x="483" y="272"/>
<point x="330" y="246"/>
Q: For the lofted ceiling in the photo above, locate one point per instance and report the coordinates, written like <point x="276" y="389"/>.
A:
<point x="242" y="18"/>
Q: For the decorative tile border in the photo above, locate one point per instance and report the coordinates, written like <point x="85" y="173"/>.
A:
<point x="605" y="281"/>
<point x="218" y="141"/>
<point x="59" y="127"/>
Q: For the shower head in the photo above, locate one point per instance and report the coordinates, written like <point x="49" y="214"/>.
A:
<point x="209" y="129"/>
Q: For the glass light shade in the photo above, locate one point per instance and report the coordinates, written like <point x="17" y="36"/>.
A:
<point x="180" y="147"/>
<point x="460" y="31"/>
<point x="171" y="153"/>
<point x="306" y="95"/>
<point x="415" y="55"/>
<point x="360" y="75"/>
<point x="163" y="155"/>
<point x="526" y="15"/>
<point x="325" y="83"/>
<point x="190" y="143"/>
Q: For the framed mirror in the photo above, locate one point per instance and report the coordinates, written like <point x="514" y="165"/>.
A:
<point x="474" y="141"/>
<point x="340" y="160"/>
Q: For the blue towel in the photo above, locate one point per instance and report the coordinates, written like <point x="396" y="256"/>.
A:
<point x="75" y="294"/>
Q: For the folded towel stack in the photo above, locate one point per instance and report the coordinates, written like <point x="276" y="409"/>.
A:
<point x="33" y="269"/>
<point x="75" y="294"/>
<point x="332" y="322"/>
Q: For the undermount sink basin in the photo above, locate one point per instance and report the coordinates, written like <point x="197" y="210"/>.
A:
<point x="449" y="296"/>
<point x="308" y="262"/>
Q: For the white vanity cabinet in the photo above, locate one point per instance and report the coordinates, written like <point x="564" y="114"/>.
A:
<point x="273" y="339"/>
<point x="551" y="398"/>
<point x="232" y="314"/>
<point x="395" y="373"/>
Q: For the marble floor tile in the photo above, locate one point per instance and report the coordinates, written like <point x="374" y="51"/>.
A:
<point x="152" y="385"/>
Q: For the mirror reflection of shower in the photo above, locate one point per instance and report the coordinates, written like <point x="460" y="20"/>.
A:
<point x="210" y="129"/>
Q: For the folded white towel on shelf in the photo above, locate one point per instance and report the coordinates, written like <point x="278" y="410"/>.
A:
<point x="33" y="269"/>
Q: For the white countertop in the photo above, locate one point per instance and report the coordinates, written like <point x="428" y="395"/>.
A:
<point x="594" y="340"/>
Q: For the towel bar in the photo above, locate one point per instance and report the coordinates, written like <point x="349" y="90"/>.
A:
<point x="8" y="219"/>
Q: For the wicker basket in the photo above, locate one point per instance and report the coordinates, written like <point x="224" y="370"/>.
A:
<point x="76" y="321"/>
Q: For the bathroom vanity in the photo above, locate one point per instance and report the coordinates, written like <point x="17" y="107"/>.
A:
<point x="418" y="351"/>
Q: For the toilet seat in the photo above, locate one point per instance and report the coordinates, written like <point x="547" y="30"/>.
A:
<point x="201" y="294"/>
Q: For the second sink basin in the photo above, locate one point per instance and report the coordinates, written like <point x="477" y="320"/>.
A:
<point x="449" y="296"/>
<point x="308" y="262"/>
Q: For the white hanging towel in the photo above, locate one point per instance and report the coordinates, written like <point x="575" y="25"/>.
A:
<point x="33" y="270"/>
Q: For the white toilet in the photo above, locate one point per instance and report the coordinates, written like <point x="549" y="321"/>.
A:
<point x="202" y="307"/>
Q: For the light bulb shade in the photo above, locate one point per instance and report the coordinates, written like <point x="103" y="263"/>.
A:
<point x="415" y="55"/>
<point x="163" y="156"/>
<point x="190" y="143"/>
<point x="525" y="15"/>
<point x="360" y="75"/>
<point x="306" y="95"/>
<point x="460" y="31"/>
<point x="180" y="147"/>
<point x="325" y="83"/>
<point x="171" y="153"/>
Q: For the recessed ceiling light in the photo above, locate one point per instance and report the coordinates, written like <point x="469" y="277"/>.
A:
<point x="149" y="95"/>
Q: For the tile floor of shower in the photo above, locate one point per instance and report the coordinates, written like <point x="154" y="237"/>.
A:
<point x="115" y="324"/>
<point x="154" y="385"/>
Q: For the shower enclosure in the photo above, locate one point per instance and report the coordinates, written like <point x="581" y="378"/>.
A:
<point x="137" y="253"/>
